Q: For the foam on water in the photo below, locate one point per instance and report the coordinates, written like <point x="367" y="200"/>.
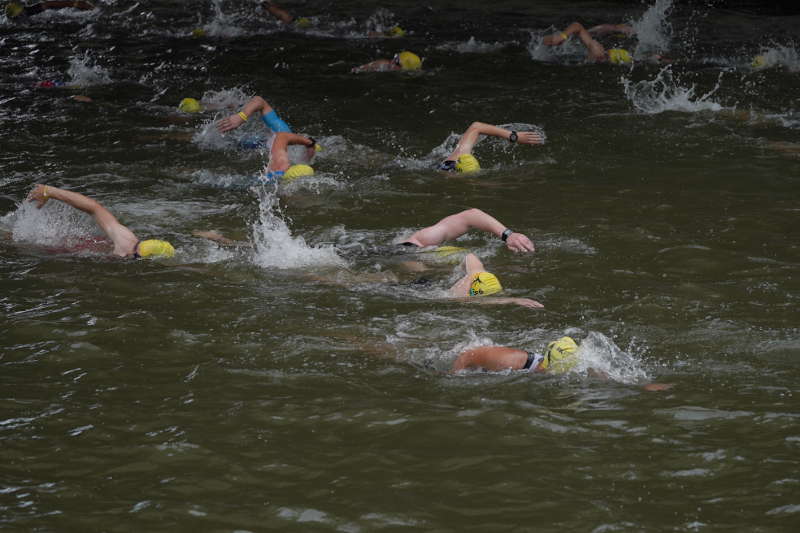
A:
<point x="56" y="224"/>
<point x="473" y="46"/>
<point x="84" y="73"/>
<point x="275" y="247"/>
<point x="571" y="51"/>
<point x="222" y="25"/>
<point x="600" y="353"/>
<point x="778" y="56"/>
<point x="653" y="29"/>
<point x="664" y="93"/>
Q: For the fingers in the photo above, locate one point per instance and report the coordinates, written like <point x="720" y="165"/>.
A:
<point x="230" y="123"/>
<point x="533" y="304"/>
<point x="530" y="137"/>
<point x="517" y="242"/>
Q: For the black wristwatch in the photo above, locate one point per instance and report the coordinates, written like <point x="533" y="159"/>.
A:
<point x="506" y="233"/>
<point x="513" y="137"/>
<point x="313" y="142"/>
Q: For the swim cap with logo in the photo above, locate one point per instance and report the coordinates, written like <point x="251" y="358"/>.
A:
<point x="484" y="284"/>
<point x="561" y="356"/>
<point x="467" y="163"/>
<point x="155" y="248"/>
<point x="397" y="31"/>
<point x="619" y="56"/>
<point x="409" y="61"/>
<point x="189" y="105"/>
<point x="298" y="171"/>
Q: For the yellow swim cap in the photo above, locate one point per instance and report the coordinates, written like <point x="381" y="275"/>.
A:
<point x="397" y="31"/>
<point x="14" y="9"/>
<point x="484" y="284"/>
<point x="467" y="163"/>
<point x="198" y="32"/>
<point x="409" y="61"/>
<point x="297" y="171"/>
<point x="190" y="105"/>
<point x="619" y="56"/>
<point x="155" y="247"/>
<point x="758" y="62"/>
<point x="561" y="356"/>
<point x="302" y="22"/>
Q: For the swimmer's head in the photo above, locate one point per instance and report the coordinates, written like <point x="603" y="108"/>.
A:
<point x="302" y="22"/>
<point x="408" y="60"/>
<point x="14" y="9"/>
<point x="190" y="105"/>
<point x="484" y="284"/>
<point x="467" y="163"/>
<point x="759" y="62"/>
<point x="297" y="171"/>
<point x="198" y="32"/>
<point x="561" y="356"/>
<point x="619" y="56"/>
<point x="155" y="248"/>
<point x="397" y="31"/>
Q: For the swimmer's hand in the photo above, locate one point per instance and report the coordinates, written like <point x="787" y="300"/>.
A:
<point x="530" y="137"/>
<point x="490" y="300"/>
<point x="216" y="237"/>
<point x="39" y="195"/>
<point x="517" y="242"/>
<point x="229" y="123"/>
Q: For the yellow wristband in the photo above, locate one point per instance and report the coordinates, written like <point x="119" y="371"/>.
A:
<point x="564" y="35"/>
<point x="44" y="192"/>
<point x="242" y="115"/>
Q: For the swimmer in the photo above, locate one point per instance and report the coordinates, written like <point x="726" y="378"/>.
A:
<point x="559" y="357"/>
<point x="282" y="137"/>
<point x="278" y="12"/>
<point x="594" y="50"/>
<point x="403" y="61"/>
<point x="126" y="244"/>
<point x="462" y="160"/>
<point x="476" y="280"/>
<point x="16" y="9"/>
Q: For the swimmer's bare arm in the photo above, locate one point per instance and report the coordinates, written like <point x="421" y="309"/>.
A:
<point x="279" y="157"/>
<point x="379" y="65"/>
<point x="602" y="29"/>
<point x="476" y="129"/>
<point x="124" y="240"/>
<point x="456" y="225"/>
<point x="492" y="358"/>
<point x="278" y="12"/>
<point x="492" y="300"/>
<point x="255" y="105"/>
<point x="594" y="49"/>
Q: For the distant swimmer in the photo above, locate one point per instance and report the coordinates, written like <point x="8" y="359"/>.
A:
<point x="476" y="280"/>
<point x="403" y="61"/>
<point x="125" y="243"/>
<point x="462" y="160"/>
<point x="594" y="50"/>
<point x="16" y="9"/>
<point x="559" y="357"/>
<point x="281" y="138"/>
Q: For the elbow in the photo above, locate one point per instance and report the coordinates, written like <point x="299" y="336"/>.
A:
<point x="477" y="126"/>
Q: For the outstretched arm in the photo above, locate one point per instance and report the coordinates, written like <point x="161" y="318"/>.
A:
<point x="124" y="240"/>
<point x="493" y="358"/>
<point x="255" y="105"/>
<point x="476" y="129"/>
<point x="491" y="300"/>
<point x="456" y="225"/>
<point x="603" y="29"/>
<point x="278" y="12"/>
<point x="379" y="65"/>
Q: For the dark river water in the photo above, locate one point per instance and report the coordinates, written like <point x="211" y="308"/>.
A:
<point x="302" y="384"/>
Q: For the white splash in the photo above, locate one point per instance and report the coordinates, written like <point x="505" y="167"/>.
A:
<point x="56" y="224"/>
<point x="777" y="56"/>
<point x="665" y="94"/>
<point x="653" y="30"/>
<point x="222" y="25"/>
<point x="598" y="352"/>
<point x="84" y="73"/>
<point x="571" y="51"/>
<point x="472" y="46"/>
<point x="275" y="247"/>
